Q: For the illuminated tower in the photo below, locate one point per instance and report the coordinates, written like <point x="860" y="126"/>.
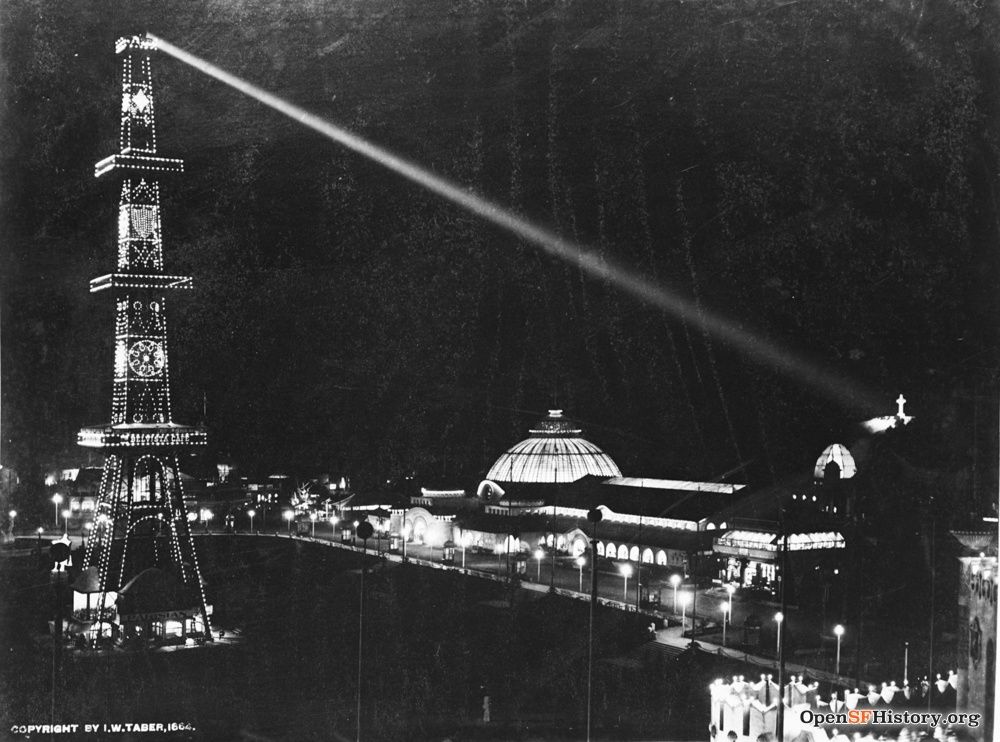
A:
<point x="141" y="521"/>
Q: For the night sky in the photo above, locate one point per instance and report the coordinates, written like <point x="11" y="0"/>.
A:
<point x="821" y="173"/>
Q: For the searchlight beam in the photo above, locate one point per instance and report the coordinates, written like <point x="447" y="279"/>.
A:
<point x="755" y="347"/>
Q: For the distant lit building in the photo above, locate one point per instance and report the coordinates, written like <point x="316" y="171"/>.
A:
<point x="836" y="462"/>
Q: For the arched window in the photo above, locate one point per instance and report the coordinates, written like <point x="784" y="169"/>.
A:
<point x="623" y="552"/>
<point x="580" y="546"/>
<point x="600" y="548"/>
<point x="661" y="558"/>
<point x="610" y="551"/>
<point x="633" y="553"/>
<point x="647" y="556"/>
<point x="419" y="530"/>
<point x="710" y="527"/>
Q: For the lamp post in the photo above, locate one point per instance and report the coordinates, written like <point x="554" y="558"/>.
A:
<point x="312" y="517"/>
<point x="206" y="515"/>
<point x="580" y="561"/>
<point x="333" y="527"/>
<point x="289" y="515"/>
<point x="86" y="530"/>
<point x="406" y="536"/>
<point x="626" y="572"/>
<point x="685" y="599"/>
<point x="675" y="581"/>
<point x="251" y="513"/>
<point x="779" y="618"/>
<point x="539" y="555"/>
<point x="839" y="631"/>
<point x="906" y="662"/>
<point x="65" y="516"/>
<point x="364" y="530"/>
<point x="56" y="502"/>
<point x="595" y="516"/>
<point x="730" y="589"/>
<point x="465" y="544"/>
<point x="12" y="514"/>
<point x="727" y="611"/>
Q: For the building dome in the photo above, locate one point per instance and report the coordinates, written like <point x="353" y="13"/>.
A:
<point x="836" y="454"/>
<point x="554" y="452"/>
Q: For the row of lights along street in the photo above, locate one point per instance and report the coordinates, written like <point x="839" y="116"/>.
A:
<point x="682" y="598"/>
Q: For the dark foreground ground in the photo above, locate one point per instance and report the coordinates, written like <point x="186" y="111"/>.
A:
<point x="435" y="645"/>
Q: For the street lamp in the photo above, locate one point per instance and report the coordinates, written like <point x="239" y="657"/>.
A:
<point x="56" y="502"/>
<point x="685" y="599"/>
<point x="839" y="631"/>
<point x="727" y="610"/>
<point x="289" y="515"/>
<point x="312" y="517"/>
<point x="730" y="588"/>
<point x="580" y="561"/>
<point x="406" y="536"/>
<point x="675" y="581"/>
<point x="251" y="512"/>
<point x="595" y="516"/>
<point x="779" y="618"/>
<point x="86" y="530"/>
<point x="12" y="514"/>
<point x="333" y="527"/>
<point x="626" y="570"/>
<point x="364" y="530"/>
<point x="65" y="515"/>
<point x="539" y="555"/>
<point x="206" y="515"/>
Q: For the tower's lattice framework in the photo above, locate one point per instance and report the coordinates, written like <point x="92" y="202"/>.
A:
<point x="141" y="520"/>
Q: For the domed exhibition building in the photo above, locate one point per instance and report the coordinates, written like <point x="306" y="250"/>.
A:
<point x="537" y="495"/>
<point x="554" y="452"/>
